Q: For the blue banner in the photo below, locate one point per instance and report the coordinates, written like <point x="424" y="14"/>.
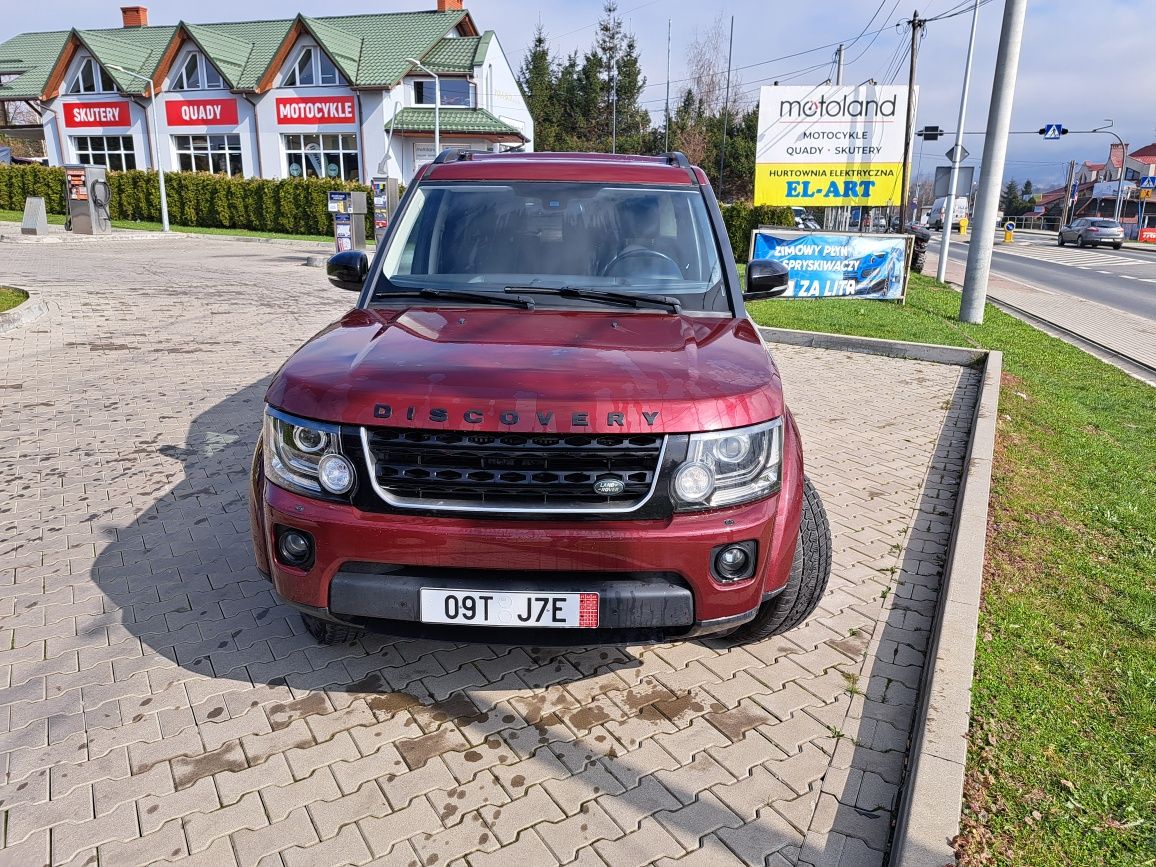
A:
<point x="837" y="266"/>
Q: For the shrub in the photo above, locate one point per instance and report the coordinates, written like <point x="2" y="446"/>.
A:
<point x="742" y="218"/>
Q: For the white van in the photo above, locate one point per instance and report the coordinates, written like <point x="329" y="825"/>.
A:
<point x="935" y="217"/>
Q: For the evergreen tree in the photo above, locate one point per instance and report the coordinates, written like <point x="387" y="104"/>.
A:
<point x="538" y="77"/>
<point x="1027" y="192"/>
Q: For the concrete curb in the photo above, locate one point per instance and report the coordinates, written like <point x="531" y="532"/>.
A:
<point x="931" y="796"/>
<point x="931" y="800"/>
<point x="30" y="309"/>
<point x="932" y="352"/>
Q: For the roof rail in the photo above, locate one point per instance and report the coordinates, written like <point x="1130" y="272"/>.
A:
<point x="452" y="155"/>
<point x="678" y="158"/>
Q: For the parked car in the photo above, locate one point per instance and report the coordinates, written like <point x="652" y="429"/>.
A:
<point x="1092" y="232"/>
<point x="935" y="218"/>
<point x="548" y="419"/>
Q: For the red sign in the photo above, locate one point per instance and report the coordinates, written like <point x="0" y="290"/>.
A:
<point x="201" y="112"/>
<point x="314" y="110"/>
<point x="96" y="114"/>
<point x="1148" y="236"/>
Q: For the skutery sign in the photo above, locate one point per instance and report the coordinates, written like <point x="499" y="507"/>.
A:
<point x="96" y="114"/>
<point x="201" y="112"/>
<point x="312" y="110"/>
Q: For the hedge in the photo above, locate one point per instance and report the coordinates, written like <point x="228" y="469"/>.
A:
<point x="742" y="218"/>
<point x="294" y="206"/>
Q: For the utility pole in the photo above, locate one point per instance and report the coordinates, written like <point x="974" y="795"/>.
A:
<point x="722" y="156"/>
<point x="614" y="105"/>
<point x="666" y="147"/>
<point x="949" y="209"/>
<point x="917" y="24"/>
<point x="1069" y="199"/>
<point x="843" y="215"/>
<point x="1003" y="89"/>
<point x="839" y="64"/>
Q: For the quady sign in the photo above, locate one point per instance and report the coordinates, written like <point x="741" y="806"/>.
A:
<point x="201" y="112"/>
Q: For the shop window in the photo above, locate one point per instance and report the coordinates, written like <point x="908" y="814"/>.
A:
<point x="197" y="73"/>
<point x="91" y="79"/>
<point x="321" y="156"/>
<point x="219" y="154"/>
<point x="455" y="92"/>
<point x="114" y="151"/>
<point x="313" y="67"/>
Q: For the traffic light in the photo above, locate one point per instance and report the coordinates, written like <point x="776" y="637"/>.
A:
<point x="930" y="133"/>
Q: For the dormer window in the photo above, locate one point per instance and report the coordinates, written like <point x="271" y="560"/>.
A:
<point x="196" y="73"/>
<point x="91" y="79"/>
<point x="455" y="92"/>
<point x="313" y="67"/>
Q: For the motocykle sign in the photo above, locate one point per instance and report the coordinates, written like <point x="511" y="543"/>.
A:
<point x="828" y="145"/>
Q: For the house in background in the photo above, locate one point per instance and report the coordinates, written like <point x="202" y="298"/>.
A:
<point x="299" y="97"/>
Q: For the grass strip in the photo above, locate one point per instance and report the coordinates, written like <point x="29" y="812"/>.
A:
<point x="10" y="298"/>
<point x="1062" y="752"/>
<point x="58" y="220"/>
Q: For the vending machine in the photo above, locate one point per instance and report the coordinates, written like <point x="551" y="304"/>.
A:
<point x="87" y="194"/>
<point x="348" y="209"/>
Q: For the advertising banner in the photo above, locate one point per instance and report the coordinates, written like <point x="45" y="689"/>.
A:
<point x="835" y="265"/>
<point x="314" y="110"/>
<point x="829" y="145"/>
<point x="96" y="114"/>
<point x="201" y="112"/>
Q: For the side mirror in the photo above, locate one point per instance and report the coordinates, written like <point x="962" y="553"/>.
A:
<point x="347" y="270"/>
<point x="766" y="278"/>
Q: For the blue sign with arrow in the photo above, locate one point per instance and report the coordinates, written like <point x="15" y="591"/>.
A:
<point x="1053" y="131"/>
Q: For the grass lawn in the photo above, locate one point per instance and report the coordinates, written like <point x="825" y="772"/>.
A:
<point x="1062" y="755"/>
<point x="58" y="220"/>
<point x="9" y="298"/>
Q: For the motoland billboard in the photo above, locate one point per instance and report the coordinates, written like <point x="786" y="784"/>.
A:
<point x="836" y="265"/>
<point x="826" y="145"/>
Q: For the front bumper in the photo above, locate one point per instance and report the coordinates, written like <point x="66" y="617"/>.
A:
<point x="654" y="577"/>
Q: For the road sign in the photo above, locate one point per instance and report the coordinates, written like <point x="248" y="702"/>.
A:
<point x="1073" y="192"/>
<point x="1009" y="226"/>
<point x="1053" y="131"/>
<point x="1146" y="194"/>
<point x="957" y="154"/>
<point x="1148" y="183"/>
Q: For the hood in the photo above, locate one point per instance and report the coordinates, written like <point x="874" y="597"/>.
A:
<point x="497" y="369"/>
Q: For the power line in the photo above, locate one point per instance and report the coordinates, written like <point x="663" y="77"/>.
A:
<point x="618" y="13"/>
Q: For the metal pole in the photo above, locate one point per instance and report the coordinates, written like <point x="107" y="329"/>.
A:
<point x="839" y="64"/>
<point x="157" y="157"/>
<point x="666" y="146"/>
<point x="843" y="215"/>
<point x="1007" y="63"/>
<point x="945" y="242"/>
<point x="437" y="102"/>
<point x="916" y="26"/>
<point x="722" y="156"/>
<point x="614" y="106"/>
<point x="1068" y="197"/>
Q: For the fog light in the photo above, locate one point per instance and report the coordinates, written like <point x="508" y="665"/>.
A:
<point x="294" y="547"/>
<point x="693" y="482"/>
<point x="335" y="474"/>
<point x="735" y="562"/>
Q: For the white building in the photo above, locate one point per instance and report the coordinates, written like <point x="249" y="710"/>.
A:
<point x="273" y="99"/>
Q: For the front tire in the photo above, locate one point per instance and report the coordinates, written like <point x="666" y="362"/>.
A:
<point x="1117" y="246"/>
<point x="810" y="571"/>
<point x="1060" y="240"/>
<point x="327" y="632"/>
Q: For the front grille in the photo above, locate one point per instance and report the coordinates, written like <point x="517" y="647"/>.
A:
<point x="510" y="472"/>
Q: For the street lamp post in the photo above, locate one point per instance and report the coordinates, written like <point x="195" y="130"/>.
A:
<point x="153" y="131"/>
<point x="437" y="103"/>
<point x="1123" y="164"/>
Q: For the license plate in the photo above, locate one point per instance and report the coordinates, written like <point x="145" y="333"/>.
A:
<point x="492" y="608"/>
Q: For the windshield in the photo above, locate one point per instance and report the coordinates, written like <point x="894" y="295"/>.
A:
<point x="522" y="236"/>
<point x="1106" y="224"/>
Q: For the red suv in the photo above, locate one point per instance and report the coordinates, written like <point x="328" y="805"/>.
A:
<point x="548" y="419"/>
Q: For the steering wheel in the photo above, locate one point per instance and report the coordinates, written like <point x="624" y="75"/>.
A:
<point x="638" y="254"/>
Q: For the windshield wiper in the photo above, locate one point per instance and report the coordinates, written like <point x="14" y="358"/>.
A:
<point x="457" y="295"/>
<point x="625" y="298"/>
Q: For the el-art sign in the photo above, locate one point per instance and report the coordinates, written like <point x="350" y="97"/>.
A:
<point x="829" y="145"/>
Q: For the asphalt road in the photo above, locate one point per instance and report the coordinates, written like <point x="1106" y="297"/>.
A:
<point x="1124" y="279"/>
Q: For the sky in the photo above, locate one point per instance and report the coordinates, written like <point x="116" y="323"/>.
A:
<point x="1080" y="64"/>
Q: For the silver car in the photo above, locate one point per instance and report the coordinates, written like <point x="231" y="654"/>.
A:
<point x="1092" y="232"/>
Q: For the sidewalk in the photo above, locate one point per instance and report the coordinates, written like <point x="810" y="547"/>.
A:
<point x="1124" y="334"/>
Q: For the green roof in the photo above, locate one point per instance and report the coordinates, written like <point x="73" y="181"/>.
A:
<point x="453" y="55"/>
<point x="32" y="55"/>
<point x="471" y="121"/>
<point x="370" y="50"/>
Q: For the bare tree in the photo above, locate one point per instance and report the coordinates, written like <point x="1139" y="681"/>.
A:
<point x="706" y="67"/>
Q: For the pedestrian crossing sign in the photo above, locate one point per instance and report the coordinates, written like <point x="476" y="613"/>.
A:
<point x="1148" y="183"/>
<point x="1053" y="131"/>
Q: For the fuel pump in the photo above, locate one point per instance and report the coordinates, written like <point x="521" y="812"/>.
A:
<point x="87" y="194"/>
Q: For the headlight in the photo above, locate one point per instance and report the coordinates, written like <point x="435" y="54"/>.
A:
<point x="304" y="455"/>
<point x="723" y="468"/>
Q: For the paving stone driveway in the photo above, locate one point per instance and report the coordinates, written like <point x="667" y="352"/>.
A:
<point x="157" y="704"/>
